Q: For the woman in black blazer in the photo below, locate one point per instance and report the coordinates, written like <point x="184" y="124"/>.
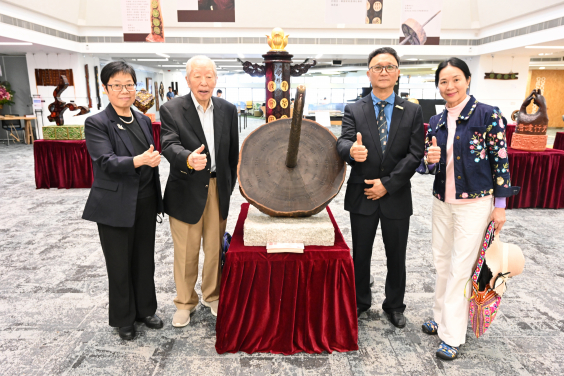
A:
<point x="124" y="200"/>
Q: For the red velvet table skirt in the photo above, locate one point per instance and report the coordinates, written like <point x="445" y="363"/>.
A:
<point x="285" y="303"/>
<point x="509" y="130"/>
<point x="540" y="176"/>
<point x="559" y="141"/>
<point x="157" y="135"/>
<point x="62" y="164"/>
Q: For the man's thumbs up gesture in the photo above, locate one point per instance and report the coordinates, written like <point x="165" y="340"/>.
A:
<point x="358" y="151"/>
<point x="197" y="160"/>
<point x="434" y="152"/>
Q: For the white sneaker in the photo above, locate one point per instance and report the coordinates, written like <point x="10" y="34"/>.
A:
<point x="182" y="317"/>
<point x="212" y="305"/>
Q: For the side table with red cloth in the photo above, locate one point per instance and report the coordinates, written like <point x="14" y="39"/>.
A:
<point x="62" y="164"/>
<point x="559" y="141"/>
<point x="157" y="135"/>
<point x="509" y="130"/>
<point x="426" y="127"/>
<point x="285" y="303"/>
<point x="540" y="176"/>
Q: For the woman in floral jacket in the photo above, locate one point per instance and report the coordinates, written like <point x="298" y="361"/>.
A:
<point x="467" y="152"/>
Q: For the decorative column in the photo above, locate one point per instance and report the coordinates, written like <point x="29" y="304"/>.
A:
<point x="277" y="70"/>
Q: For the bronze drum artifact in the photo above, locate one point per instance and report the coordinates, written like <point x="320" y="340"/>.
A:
<point x="290" y="167"/>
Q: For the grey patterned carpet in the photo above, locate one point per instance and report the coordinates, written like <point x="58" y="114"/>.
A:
<point x="53" y="298"/>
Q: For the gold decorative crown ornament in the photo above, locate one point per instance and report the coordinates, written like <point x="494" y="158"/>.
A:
<point x="277" y="41"/>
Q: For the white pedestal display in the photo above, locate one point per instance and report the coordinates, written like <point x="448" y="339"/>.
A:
<point x="261" y="228"/>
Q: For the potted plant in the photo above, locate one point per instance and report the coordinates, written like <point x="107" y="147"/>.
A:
<point x="6" y="94"/>
<point x="257" y="110"/>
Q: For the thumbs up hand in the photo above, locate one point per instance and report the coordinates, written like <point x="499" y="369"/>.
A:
<point x="198" y="160"/>
<point x="434" y="152"/>
<point x="358" y="151"/>
<point x="150" y="157"/>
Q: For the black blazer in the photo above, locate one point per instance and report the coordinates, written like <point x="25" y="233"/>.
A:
<point x="113" y="196"/>
<point x="186" y="190"/>
<point x="403" y="154"/>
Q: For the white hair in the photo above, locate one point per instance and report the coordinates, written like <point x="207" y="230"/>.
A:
<point x="202" y="58"/>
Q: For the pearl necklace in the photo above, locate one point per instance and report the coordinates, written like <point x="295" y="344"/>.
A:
<point x="128" y="122"/>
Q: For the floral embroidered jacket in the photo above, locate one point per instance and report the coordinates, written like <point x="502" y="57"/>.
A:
<point x="481" y="164"/>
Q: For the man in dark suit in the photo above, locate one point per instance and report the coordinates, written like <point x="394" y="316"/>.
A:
<point x="382" y="139"/>
<point x="200" y="139"/>
<point x="125" y="199"/>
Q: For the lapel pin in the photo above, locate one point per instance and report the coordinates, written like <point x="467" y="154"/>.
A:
<point x="120" y="127"/>
<point x="400" y="107"/>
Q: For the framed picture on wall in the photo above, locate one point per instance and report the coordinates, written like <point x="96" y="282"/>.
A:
<point x="149" y="86"/>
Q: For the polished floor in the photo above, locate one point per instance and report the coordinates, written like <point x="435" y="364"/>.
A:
<point x="53" y="298"/>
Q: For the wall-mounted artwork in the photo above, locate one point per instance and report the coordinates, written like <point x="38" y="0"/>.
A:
<point x="206" y="10"/>
<point x="50" y="77"/>
<point x="87" y="76"/>
<point x="98" y="100"/>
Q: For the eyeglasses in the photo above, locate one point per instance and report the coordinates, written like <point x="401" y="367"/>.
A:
<point x="379" y="69"/>
<point x="118" y="87"/>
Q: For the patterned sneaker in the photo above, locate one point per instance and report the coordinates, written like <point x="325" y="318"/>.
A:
<point x="430" y="327"/>
<point x="447" y="352"/>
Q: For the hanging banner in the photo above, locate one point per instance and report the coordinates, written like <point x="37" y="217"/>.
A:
<point x="142" y="21"/>
<point x="353" y="12"/>
<point x="420" y="22"/>
<point x="206" y="10"/>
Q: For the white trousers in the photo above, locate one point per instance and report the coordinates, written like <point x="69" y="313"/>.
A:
<point x="458" y="231"/>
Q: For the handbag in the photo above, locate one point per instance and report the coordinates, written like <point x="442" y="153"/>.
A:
<point x="225" y="246"/>
<point x="484" y="302"/>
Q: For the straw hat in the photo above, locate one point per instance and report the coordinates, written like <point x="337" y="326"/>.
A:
<point x="504" y="261"/>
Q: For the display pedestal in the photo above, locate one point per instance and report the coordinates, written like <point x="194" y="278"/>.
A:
<point x="261" y="229"/>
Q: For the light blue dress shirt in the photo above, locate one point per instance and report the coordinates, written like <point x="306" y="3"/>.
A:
<point x="387" y="110"/>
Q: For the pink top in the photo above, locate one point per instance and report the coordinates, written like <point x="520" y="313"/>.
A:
<point x="450" y="188"/>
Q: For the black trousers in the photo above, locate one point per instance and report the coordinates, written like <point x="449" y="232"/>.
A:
<point x="129" y="253"/>
<point x="394" y="234"/>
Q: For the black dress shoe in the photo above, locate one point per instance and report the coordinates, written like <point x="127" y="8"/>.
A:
<point x="360" y="310"/>
<point x="153" y="322"/>
<point x="127" y="332"/>
<point x="397" y="319"/>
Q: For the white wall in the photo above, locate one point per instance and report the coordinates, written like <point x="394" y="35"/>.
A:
<point x="507" y="95"/>
<point x="77" y="93"/>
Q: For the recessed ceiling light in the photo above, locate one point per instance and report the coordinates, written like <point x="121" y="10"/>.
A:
<point x="556" y="47"/>
<point x="15" y="43"/>
<point x="412" y="59"/>
<point x="163" y="55"/>
<point x="542" y="68"/>
<point x="541" y="54"/>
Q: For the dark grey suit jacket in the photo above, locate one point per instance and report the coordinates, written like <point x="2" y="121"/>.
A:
<point x="395" y="168"/>
<point x="113" y="197"/>
<point x="186" y="190"/>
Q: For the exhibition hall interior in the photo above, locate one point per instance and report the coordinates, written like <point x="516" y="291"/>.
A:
<point x="320" y="187"/>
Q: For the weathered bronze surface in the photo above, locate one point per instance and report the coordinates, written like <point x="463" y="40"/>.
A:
<point x="267" y="182"/>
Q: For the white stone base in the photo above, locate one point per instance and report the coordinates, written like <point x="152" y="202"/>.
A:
<point x="261" y="228"/>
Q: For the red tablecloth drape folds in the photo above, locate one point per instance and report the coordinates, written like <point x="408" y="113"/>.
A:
<point x="157" y="135"/>
<point x="509" y="130"/>
<point x="559" y="141"/>
<point x="62" y="164"/>
<point x="540" y="176"/>
<point x="287" y="303"/>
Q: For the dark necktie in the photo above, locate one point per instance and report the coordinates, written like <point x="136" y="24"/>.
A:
<point x="382" y="125"/>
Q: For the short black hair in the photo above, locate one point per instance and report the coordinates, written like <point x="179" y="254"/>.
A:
<point x="383" y="50"/>
<point x="170" y="87"/>
<point x="115" y="67"/>
<point x="219" y="91"/>
<point x="455" y="62"/>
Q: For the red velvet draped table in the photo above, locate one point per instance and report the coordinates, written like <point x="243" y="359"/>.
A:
<point x="285" y="303"/>
<point x="540" y="176"/>
<point x="509" y="130"/>
<point x="559" y="141"/>
<point x="157" y="135"/>
<point x="62" y="164"/>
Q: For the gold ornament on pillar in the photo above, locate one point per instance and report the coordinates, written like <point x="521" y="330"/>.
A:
<point x="277" y="41"/>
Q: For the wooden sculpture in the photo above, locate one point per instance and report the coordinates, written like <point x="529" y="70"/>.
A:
<point x="58" y="107"/>
<point x="98" y="100"/>
<point x="290" y="167"/>
<point x="530" y="132"/>
<point x="161" y="91"/>
<point x="87" y="76"/>
<point x="157" y="96"/>
<point x="144" y="100"/>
